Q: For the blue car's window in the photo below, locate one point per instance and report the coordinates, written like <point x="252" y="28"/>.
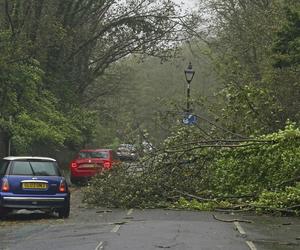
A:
<point x="44" y="168"/>
<point x="103" y="155"/>
<point x="21" y="168"/>
<point x="38" y="168"/>
<point x="3" y="167"/>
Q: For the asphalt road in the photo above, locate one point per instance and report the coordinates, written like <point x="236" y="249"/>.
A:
<point x="117" y="229"/>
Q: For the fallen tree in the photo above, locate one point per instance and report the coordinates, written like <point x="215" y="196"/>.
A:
<point x="247" y="178"/>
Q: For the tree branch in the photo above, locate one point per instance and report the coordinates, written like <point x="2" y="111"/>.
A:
<point x="232" y="220"/>
<point x="9" y="19"/>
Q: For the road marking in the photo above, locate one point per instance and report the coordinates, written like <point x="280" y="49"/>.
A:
<point x="130" y="211"/>
<point x="243" y="233"/>
<point x="239" y="228"/>
<point x="115" y="229"/>
<point x="251" y="245"/>
<point x="100" y="246"/>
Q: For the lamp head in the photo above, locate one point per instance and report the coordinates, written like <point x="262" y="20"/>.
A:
<point x="189" y="73"/>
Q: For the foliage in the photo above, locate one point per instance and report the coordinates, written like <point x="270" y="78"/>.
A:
<point x="202" y="206"/>
<point x="119" y="188"/>
<point x="287" y="45"/>
<point x="256" y="98"/>
<point x="29" y="112"/>
<point x="286" y="62"/>
<point x="279" y="201"/>
<point x="196" y="170"/>
<point x="54" y="61"/>
<point x="258" y="167"/>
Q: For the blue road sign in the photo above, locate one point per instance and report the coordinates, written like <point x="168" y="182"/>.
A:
<point x="189" y="120"/>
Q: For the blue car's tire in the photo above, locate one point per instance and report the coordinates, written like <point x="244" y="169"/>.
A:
<point x="4" y="212"/>
<point x="64" y="212"/>
<point x="74" y="181"/>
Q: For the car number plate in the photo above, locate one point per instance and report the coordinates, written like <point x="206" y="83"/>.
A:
<point x="34" y="185"/>
<point x="89" y="166"/>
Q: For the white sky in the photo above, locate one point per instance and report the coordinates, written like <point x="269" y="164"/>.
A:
<point x="186" y="3"/>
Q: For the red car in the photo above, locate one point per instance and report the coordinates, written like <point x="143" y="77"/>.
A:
<point x="89" y="162"/>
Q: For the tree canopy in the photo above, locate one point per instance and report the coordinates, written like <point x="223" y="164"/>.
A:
<point x="53" y="51"/>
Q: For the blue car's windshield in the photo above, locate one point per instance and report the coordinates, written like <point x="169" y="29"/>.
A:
<point x="38" y="168"/>
<point x="3" y="166"/>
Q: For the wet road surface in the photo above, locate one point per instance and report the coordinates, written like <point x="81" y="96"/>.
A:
<point x="117" y="229"/>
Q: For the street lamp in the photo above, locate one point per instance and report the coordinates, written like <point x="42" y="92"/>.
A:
<point x="189" y="75"/>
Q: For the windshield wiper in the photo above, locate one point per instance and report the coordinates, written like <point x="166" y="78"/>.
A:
<point x="31" y="168"/>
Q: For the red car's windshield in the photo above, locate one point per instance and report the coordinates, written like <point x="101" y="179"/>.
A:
<point x="98" y="154"/>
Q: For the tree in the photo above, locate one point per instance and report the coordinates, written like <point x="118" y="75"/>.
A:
<point x="75" y="42"/>
<point x="286" y="56"/>
<point x="28" y="111"/>
<point x="287" y="44"/>
<point x="241" y="38"/>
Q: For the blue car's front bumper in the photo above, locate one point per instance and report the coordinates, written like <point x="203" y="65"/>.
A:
<point x="9" y="200"/>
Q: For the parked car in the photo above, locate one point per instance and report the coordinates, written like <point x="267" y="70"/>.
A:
<point x="89" y="162"/>
<point x="33" y="183"/>
<point x="147" y="147"/>
<point x="127" y="152"/>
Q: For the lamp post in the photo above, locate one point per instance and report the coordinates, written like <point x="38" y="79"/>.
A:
<point x="9" y="140"/>
<point x="189" y="75"/>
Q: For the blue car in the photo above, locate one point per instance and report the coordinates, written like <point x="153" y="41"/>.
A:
<point x="33" y="183"/>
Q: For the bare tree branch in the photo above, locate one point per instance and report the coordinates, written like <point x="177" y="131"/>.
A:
<point x="9" y="18"/>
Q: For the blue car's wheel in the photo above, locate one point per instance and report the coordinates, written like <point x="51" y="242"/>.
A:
<point x="64" y="212"/>
<point x="74" y="181"/>
<point x="4" y="212"/>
